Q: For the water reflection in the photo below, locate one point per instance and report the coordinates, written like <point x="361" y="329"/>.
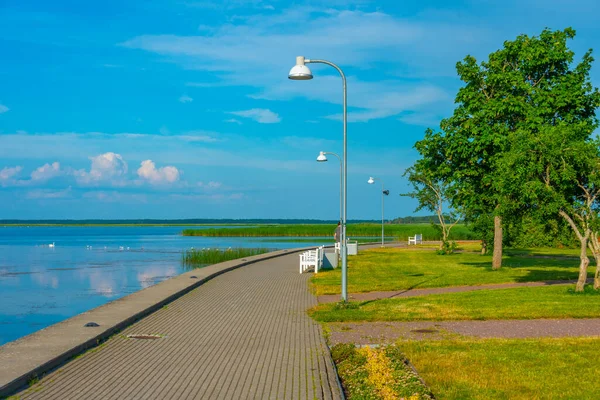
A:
<point x="89" y="266"/>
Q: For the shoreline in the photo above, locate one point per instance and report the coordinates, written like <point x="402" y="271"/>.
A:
<point x="33" y="355"/>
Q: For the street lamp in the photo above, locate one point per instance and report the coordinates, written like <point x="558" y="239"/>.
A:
<point x="300" y="72"/>
<point x="383" y="194"/>
<point x="322" y="158"/>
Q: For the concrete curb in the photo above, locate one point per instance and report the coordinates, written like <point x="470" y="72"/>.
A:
<point x="34" y="355"/>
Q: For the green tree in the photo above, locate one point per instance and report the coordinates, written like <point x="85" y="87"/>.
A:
<point x="525" y="86"/>
<point x="557" y="173"/>
<point x="552" y="163"/>
<point x="432" y="192"/>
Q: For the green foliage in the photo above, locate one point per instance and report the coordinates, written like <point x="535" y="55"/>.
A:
<point x="415" y="219"/>
<point x="201" y="257"/>
<point x="432" y="191"/>
<point x="448" y="247"/>
<point x="530" y="232"/>
<point x="518" y="113"/>
<point x="399" y="231"/>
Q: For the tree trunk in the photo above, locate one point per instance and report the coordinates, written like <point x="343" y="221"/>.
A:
<point x="584" y="237"/>
<point x="483" y="247"/>
<point x="497" y="258"/>
<point x="595" y="247"/>
<point x="597" y="272"/>
<point x="585" y="261"/>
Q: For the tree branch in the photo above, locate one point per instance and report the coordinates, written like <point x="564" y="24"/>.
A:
<point x="570" y="221"/>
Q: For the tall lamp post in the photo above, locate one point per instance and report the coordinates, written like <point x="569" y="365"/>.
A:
<point x="383" y="194"/>
<point x="322" y="158"/>
<point x="301" y="72"/>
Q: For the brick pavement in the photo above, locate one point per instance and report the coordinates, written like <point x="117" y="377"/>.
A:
<point x="242" y="335"/>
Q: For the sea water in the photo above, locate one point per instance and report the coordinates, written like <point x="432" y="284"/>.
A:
<point x="48" y="274"/>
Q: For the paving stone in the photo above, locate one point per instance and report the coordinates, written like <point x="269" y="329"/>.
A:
<point x="242" y="335"/>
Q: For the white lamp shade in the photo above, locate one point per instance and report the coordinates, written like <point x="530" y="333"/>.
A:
<point x="322" y="157"/>
<point x="300" y="73"/>
<point x="371" y="180"/>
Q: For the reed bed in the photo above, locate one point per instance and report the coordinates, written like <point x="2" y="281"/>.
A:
<point x="202" y="257"/>
<point x="398" y="231"/>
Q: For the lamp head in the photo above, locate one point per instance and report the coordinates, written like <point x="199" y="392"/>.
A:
<point x="300" y="72"/>
<point x="371" y="181"/>
<point x="322" y="157"/>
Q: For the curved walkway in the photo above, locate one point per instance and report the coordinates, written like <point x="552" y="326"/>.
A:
<point x="242" y="335"/>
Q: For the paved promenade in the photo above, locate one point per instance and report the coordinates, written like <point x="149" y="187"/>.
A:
<point x="243" y="335"/>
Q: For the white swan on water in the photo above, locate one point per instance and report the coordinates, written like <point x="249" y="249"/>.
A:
<point x="51" y="244"/>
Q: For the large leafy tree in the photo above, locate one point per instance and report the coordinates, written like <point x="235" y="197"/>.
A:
<point x="523" y="88"/>
<point x="556" y="171"/>
<point x="552" y="164"/>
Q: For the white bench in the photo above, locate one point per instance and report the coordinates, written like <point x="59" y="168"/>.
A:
<point x="417" y="239"/>
<point x="351" y="247"/>
<point x="312" y="258"/>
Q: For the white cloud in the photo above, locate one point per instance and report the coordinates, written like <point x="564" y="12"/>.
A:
<point x="185" y="99"/>
<point x="197" y="136"/>
<point x="150" y="173"/>
<point x="107" y="167"/>
<point x="210" y="185"/>
<point x="49" y="194"/>
<point x="233" y="121"/>
<point x="421" y="119"/>
<point x="422" y="47"/>
<point x="46" y="171"/>
<point x="8" y="173"/>
<point x="3" y="109"/>
<point x="116" y="197"/>
<point x="260" y="115"/>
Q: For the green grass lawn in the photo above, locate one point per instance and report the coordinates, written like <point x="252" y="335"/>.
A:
<point x="520" y="303"/>
<point x="399" y="269"/>
<point x="508" y="369"/>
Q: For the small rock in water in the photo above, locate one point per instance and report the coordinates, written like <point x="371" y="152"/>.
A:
<point x="91" y="325"/>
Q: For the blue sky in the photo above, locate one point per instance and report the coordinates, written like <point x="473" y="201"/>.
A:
<point x="183" y="109"/>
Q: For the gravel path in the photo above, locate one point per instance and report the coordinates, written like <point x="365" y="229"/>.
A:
<point x="389" y="332"/>
<point x="333" y="298"/>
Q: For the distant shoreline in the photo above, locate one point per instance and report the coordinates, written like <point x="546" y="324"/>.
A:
<point x="25" y="225"/>
<point x="200" y="222"/>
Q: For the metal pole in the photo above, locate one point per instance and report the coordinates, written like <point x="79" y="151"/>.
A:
<point x="341" y="178"/>
<point x="382" y="197"/>
<point x="344" y="247"/>
<point x="341" y="185"/>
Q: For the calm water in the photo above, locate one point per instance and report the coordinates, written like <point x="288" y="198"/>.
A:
<point x="89" y="266"/>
